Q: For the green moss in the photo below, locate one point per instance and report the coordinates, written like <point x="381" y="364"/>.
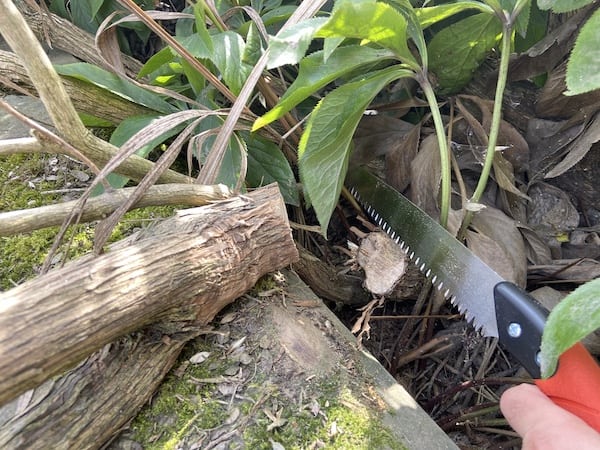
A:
<point x="342" y="423"/>
<point x="22" y="186"/>
<point x="181" y="402"/>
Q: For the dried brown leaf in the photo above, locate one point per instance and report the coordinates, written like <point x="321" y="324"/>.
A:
<point x="578" y="148"/>
<point x="398" y="161"/>
<point x="498" y="242"/>
<point x="106" y="36"/>
<point x="426" y="174"/>
<point x="377" y="136"/>
<point x="504" y="175"/>
<point x="537" y="250"/>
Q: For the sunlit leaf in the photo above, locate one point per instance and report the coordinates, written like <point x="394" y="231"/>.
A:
<point x="290" y="45"/>
<point x="458" y="50"/>
<point x="325" y="145"/>
<point x="115" y="84"/>
<point x="433" y="14"/>
<point x="372" y="22"/>
<point x="560" y="6"/>
<point x="315" y="74"/>
<point x="576" y="316"/>
<point x="583" y="69"/>
<point x="267" y="164"/>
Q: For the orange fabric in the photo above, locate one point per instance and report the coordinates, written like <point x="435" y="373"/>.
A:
<point x="576" y="385"/>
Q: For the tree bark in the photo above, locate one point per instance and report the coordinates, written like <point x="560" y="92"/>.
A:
<point x="185" y="269"/>
<point x="85" y="96"/>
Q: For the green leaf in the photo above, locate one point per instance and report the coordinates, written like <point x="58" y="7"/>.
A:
<point x="196" y="46"/>
<point x="201" y="30"/>
<point x="227" y="56"/>
<point x="434" y="14"/>
<point x="126" y="130"/>
<point x="267" y="164"/>
<point x="370" y="21"/>
<point x="523" y="18"/>
<point x="458" y="50"/>
<point x="414" y="29"/>
<point x="157" y="61"/>
<point x="315" y="74"/>
<point x="115" y="84"/>
<point x="253" y="49"/>
<point x="576" y="316"/>
<point x="290" y="45"/>
<point x="561" y="6"/>
<point x="132" y="125"/>
<point x="324" y="148"/>
<point x="583" y="68"/>
<point x="279" y="14"/>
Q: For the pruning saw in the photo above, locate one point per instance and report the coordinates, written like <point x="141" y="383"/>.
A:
<point x="495" y="306"/>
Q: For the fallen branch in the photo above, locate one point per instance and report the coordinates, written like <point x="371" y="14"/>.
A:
<point x="185" y="269"/>
<point x="96" y="208"/>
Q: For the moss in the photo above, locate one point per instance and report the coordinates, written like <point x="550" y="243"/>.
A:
<point x="24" y="183"/>
<point x="341" y="423"/>
<point x="179" y="404"/>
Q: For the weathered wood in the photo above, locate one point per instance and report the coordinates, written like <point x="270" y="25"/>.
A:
<point x="85" y="96"/>
<point x="185" y="269"/>
<point x="87" y="406"/>
<point x="97" y="208"/>
<point x="63" y="35"/>
<point x="51" y="91"/>
<point x="327" y="283"/>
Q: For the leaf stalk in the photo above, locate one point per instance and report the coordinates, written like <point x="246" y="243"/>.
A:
<point x="507" y="34"/>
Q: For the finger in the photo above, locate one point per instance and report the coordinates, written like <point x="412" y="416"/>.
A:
<point x="525" y="406"/>
<point x="542" y="424"/>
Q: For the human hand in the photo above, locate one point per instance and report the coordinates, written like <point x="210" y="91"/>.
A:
<point x="542" y="424"/>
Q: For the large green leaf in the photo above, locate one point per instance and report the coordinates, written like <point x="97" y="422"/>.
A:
<point x="576" y="316"/>
<point x="115" y="84"/>
<point x="266" y="164"/>
<point x="370" y="21"/>
<point x="583" y="69"/>
<point x="561" y="6"/>
<point x="315" y="74"/>
<point x="227" y="56"/>
<point x="325" y="145"/>
<point x="433" y="14"/>
<point x="290" y="45"/>
<point x="458" y="50"/>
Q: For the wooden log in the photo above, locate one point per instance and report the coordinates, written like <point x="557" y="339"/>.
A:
<point x="185" y="269"/>
<point x="87" y="406"/>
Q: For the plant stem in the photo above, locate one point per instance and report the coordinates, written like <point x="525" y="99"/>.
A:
<point x="421" y="77"/>
<point x="507" y="31"/>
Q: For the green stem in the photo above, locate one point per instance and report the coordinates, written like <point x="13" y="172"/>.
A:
<point x="507" y="31"/>
<point x="442" y="143"/>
